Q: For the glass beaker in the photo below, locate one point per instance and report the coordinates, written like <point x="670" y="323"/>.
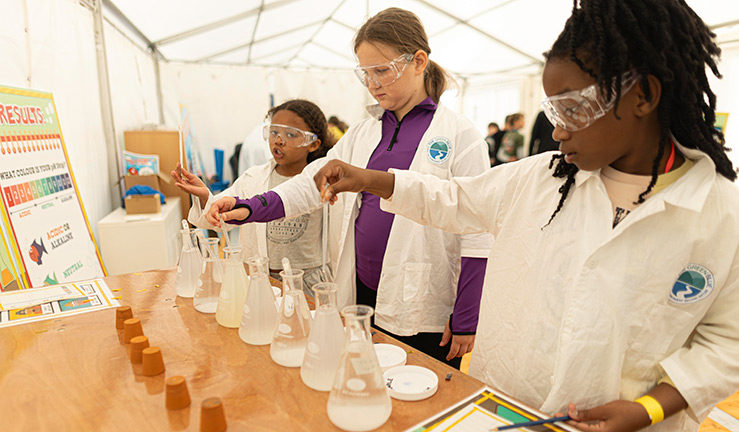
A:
<point x="209" y="281"/>
<point x="188" y="268"/>
<point x="233" y="290"/>
<point x="259" y="316"/>
<point x="358" y="399"/>
<point x="326" y="340"/>
<point x="294" y="322"/>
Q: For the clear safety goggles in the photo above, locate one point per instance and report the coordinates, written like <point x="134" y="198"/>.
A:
<point x="383" y="74"/>
<point x="289" y="135"/>
<point x="578" y="109"/>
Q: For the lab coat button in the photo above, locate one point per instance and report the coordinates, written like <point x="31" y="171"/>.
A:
<point x="592" y="263"/>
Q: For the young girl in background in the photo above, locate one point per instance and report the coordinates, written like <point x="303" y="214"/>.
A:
<point x="297" y="135"/>
<point x="613" y="283"/>
<point x="423" y="283"/>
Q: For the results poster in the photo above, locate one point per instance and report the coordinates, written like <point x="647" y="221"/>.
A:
<point x="46" y="228"/>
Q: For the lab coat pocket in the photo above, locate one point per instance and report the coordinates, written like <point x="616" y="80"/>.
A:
<point x="663" y="325"/>
<point x="415" y="280"/>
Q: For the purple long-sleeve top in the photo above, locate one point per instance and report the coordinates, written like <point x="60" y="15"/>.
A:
<point x="396" y="149"/>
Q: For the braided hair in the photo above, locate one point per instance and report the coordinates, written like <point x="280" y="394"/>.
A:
<point x="664" y="38"/>
<point x="314" y="118"/>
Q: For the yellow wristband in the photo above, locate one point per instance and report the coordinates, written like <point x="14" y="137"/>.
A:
<point x="654" y="409"/>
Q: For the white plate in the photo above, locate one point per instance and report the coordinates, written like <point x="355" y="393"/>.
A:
<point x="411" y="383"/>
<point x="389" y="355"/>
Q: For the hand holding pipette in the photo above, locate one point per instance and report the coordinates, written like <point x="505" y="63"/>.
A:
<point x="225" y="207"/>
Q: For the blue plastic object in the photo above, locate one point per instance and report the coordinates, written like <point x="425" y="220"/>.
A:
<point x="219" y="185"/>
<point x="143" y="190"/>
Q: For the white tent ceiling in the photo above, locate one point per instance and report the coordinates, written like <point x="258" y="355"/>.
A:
<point x="468" y="37"/>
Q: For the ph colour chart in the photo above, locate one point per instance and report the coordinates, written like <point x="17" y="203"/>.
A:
<point x="46" y="233"/>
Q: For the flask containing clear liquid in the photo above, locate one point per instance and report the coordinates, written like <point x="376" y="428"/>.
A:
<point x="259" y="315"/>
<point x="209" y="281"/>
<point x="358" y="399"/>
<point x="188" y="267"/>
<point x="294" y="322"/>
<point x="326" y="340"/>
<point x="233" y="290"/>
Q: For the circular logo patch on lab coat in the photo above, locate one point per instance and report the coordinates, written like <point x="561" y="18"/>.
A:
<point x="694" y="284"/>
<point x="439" y="149"/>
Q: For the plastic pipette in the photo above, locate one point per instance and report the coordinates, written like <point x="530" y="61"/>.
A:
<point x="225" y="233"/>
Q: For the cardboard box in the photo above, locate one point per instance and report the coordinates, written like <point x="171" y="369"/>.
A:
<point x="165" y="144"/>
<point x="138" y="204"/>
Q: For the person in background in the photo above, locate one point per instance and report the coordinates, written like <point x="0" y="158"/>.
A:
<point x="498" y="139"/>
<point x="423" y="283"/>
<point x="296" y="135"/>
<point x="541" y="136"/>
<point x="336" y="127"/>
<point x="612" y="287"/>
<point x="492" y="130"/>
<point x="511" y="147"/>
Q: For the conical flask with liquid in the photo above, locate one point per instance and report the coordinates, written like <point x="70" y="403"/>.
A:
<point x="209" y="281"/>
<point x="294" y="322"/>
<point x="188" y="268"/>
<point x="326" y="340"/>
<point x="359" y="400"/>
<point x="259" y="315"/>
<point x="233" y="290"/>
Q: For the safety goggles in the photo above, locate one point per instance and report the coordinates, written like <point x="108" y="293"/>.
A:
<point x="578" y="109"/>
<point x="383" y="74"/>
<point x="289" y="135"/>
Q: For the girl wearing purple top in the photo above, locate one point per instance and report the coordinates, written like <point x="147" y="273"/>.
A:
<point x="424" y="284"/>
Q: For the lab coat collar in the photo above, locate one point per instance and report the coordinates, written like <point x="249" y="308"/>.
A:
<point x="376" y="111"/>
<point x="687" y="193"/>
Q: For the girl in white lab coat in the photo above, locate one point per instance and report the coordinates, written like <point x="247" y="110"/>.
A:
<point x="612" y="288"/>
<point x="297" y="134"/>
<point x="424" y="284"/>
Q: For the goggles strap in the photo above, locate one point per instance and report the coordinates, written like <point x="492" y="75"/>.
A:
<point x="671" y="159"/>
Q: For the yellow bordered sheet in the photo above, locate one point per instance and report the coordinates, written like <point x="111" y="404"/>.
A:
<point x="25" y="306"/>
<point x="484" y="410"/>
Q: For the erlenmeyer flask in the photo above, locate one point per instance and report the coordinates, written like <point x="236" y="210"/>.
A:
<point x="233" y="290"/>
<point x="294" y="322"/>
<point x="188" y="268"/>
<point x="326" y="340"/>
<point x="259" y="316"/>
<point x="358" y="399"/>
<point x="209" y="287"/>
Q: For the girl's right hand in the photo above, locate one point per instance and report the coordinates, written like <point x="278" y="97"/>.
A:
<point x="223" y="207"/>
<point x="337" y="176"/>
<point x="190" y="183"/>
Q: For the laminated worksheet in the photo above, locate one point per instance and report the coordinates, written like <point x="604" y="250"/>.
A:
<point x="26" y="306"/>
<point x="484" y="410"/>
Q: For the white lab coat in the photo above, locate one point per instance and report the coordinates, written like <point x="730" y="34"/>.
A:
<point x="580" y="312"/>
<point x="252" y="236"/>
<point x="421" y="266"/>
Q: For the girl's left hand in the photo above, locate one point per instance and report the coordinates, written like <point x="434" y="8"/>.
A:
<point x="461" y="344"/>
<point x="615" y="416"/>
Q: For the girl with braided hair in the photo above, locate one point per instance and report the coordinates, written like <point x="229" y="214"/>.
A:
<point x="297" y="134"/>
<point x="612" y="287"/>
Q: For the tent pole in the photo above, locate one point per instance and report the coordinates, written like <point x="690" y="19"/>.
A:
<point x="106" y="106"/>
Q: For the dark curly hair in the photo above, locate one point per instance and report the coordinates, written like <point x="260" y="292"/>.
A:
<point x="664" y="38"/>
<point x="314" y="118"/>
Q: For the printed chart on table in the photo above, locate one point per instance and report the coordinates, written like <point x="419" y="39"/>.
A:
<point x="24" y="306"/>
<point x="484" y="410"/>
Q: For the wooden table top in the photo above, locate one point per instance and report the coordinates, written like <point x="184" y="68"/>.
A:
<point x="73" y="373"/>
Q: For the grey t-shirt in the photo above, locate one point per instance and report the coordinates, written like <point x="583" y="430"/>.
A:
<point x="297" y="238"/>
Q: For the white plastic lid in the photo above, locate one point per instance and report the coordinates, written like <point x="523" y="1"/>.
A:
<point x="411" y="383"/>
<point x="389" y="356"/>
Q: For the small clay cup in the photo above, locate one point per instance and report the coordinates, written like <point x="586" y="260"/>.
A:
<point x="212" y="416"/>
<point x="152" y="362"/>
<point x="121" y="314"/>
<point x="131" y="329"/>
<point x="138" y="344"/>
<point x="177" y="396"/>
